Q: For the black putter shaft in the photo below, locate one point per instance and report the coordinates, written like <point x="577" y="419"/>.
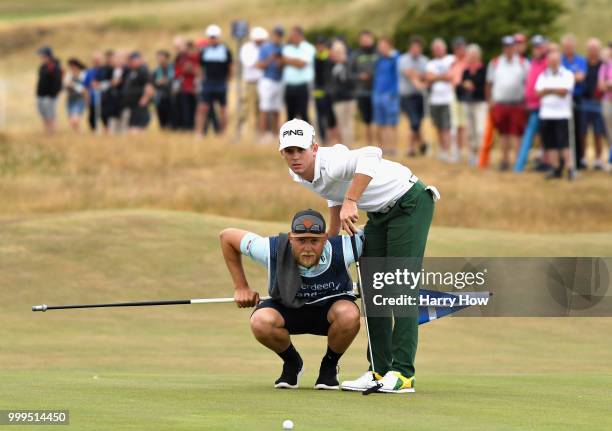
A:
<point x="376" y="387"/>
<point x="44" y="307"/>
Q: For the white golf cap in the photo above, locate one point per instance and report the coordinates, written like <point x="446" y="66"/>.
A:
<point x="258" y="33"/>
<point x="213" y="30"/>
<point x="296" y="133"/>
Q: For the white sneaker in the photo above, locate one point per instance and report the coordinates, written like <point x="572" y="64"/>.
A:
<point x="394" y="382"/>
<point x="362" y="383"/>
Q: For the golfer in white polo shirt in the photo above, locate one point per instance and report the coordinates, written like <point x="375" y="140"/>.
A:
<point x="400" y="209"/>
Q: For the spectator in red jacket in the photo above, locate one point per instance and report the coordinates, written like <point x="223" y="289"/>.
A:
<point x="185" y="70"/>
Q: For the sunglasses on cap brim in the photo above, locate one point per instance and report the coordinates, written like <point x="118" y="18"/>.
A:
<point x="314" y="230"/>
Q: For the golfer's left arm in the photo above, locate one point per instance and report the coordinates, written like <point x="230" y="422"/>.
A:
<point x="359" y="166"/>
<point x="348" y="212"/>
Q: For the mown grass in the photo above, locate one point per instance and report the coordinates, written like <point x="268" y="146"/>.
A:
<point x="198" y="367"/>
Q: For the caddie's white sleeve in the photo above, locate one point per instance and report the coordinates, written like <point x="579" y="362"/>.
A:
<point x="256" y="247"/>
<point x="347" y="247"/>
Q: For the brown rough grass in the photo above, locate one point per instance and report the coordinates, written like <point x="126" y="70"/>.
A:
<point x="173" y="171"/>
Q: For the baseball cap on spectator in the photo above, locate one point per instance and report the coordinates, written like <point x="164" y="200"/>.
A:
<point x="507" y="40"/>
<point x="321" y="40"/>
<point x="258" y="33"/>
<point x="45" y="50"/>
<point x="308" y="223"/>
<point x="538" y="40"/>
<point x="213" y="30"/>
<point x="520" y="38"/>
<point x="134" y="55"/>
<point x="458" y="41"/>
<point x="296" y="133"/>
<point x="279" y="30"/>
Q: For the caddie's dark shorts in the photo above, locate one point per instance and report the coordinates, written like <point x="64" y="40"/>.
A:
<point x="309" y="319"/>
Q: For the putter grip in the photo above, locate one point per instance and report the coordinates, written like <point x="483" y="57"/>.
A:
<point x="354" y="246"/>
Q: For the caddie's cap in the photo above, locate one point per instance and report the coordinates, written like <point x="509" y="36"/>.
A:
<point x="308" y="223"/>
<point x="296" y="133"/>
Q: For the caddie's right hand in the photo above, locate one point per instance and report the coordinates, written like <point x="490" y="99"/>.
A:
<point x="245" y="297"/>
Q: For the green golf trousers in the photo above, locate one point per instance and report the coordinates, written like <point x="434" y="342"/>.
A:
<point x="400" y="232"/>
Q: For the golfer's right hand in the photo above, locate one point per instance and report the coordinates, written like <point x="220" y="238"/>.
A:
<point x="245" y="297"/>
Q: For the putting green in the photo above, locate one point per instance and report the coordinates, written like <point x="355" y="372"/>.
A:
<point x="198" y="367"/>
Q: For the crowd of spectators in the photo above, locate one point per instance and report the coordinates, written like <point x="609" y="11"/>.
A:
<point x="549" y="91"/>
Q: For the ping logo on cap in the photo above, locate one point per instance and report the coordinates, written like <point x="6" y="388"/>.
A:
<point x="293" y="132"/>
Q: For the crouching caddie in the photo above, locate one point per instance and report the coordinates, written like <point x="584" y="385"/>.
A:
<point x="310" y="287"/>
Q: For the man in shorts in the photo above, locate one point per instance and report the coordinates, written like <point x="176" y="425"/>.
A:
<point x="311" y="292"/>
<point x="385" y="95"/>
<point x="137" y="92"/>
<point x="270" y="85"/>
<point x="506" y="77"/>
<point x="555" y="86"/>
<point x="48" y="87"/>
<point x="439" y="77"/>
<point x="216" y="67"/>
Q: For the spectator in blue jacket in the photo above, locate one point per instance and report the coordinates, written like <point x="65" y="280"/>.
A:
<point x="385" y="95"/>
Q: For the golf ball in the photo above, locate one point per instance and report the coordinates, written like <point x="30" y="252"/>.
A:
<point x="287" y="424"/>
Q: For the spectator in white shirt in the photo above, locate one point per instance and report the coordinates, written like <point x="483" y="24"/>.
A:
<point x="554" y="86"/>
<point x="298" y="73"/>
<point x="249" y="55"/>
<point x="439" y="77"/>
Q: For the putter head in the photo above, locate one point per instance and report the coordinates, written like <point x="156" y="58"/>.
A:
<point x="372" y="389"/>
<point x="42" y="307"/>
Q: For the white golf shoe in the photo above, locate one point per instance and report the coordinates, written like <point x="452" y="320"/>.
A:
<point x="394" y="382"/>
<point x="362" y="383"/>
